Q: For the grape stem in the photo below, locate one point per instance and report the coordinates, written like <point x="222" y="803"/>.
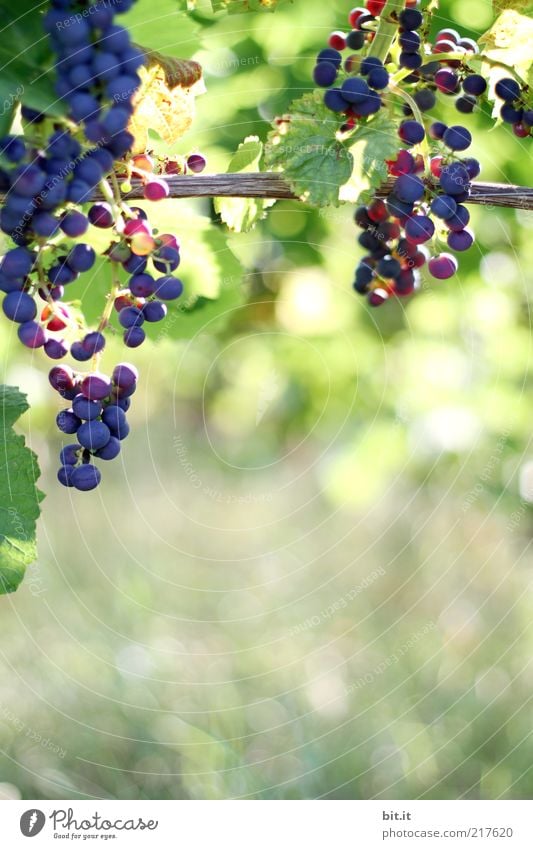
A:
<point x="386" y="32"/>
<point x="106" y="315"/>
<point x="417" y="113"/>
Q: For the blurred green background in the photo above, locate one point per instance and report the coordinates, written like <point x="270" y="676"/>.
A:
<point x="309" y="574"/>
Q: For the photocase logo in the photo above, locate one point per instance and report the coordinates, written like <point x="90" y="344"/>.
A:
<point x="32" y="822"/>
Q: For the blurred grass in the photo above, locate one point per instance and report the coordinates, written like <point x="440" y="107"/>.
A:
<point x="309" y="573"/>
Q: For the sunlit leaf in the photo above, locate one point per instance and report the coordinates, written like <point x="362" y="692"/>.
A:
<point x="19" y="497"/>
<point x="306" y="147"/>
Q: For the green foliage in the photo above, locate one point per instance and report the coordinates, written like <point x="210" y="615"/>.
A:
<point x="241" y="214"/>
<point x="25" y="60"/>
<point x="306" y="147"/>
<point x="372" y="144"/>
<point x="19" y="497"/>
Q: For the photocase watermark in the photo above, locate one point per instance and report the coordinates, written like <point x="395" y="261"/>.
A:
<point x="340" y="604"/>
<point x="391" y="660"/>
<point x="212" y="492"/>
<point x="11" y="99"/>
<point x="69" y="21"/>
<point x="488" y="470"/>
<point x="27" y="731"/>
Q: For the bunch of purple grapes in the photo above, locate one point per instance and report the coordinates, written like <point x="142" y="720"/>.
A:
<point x="420" y="209"/>
<point x="46" y="187"/>
<point x="97" y="417"/>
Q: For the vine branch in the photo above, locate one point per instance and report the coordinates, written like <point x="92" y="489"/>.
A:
<point x="273" y="186"/>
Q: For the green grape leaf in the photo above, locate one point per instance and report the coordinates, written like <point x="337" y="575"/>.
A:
<point x="237" y="7"/>
<point x="372" y="144"/>
<point x="26" y="62"/>
<point x="508" y="41"/>
<point x="518" y="5"/>
<point x="19" y="497"/>
<point x="241" y="214"/>
<point x="305" y="146"/>
<point x="164" y="27"/>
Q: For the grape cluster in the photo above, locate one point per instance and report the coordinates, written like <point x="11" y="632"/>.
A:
<point x="419" y="209"/>
<point x="514" y="109"/>
<point x="46" y="187"/>
<point x="97" y="417"/>
<point x="97" y="77"/>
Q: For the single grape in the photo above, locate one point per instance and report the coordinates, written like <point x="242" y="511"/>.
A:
<point x="324" y="74"/>
<point x="93" y="435"/>
<point x="444" y="206"/>
<point x="56" y="349"/>
<point x="474" y="84"/>
<point x="460" y="240"/>
<point x="64" y="475"/>
<point x="409" y="188"/>
<point x="134" y="336"/>
<point x="508" y="89"/>
<point x="443" y="266"/>
<point x="125" y="376"/>
<point x="81" y="258"/>
<point x="31" y="334"/>
<point x="130" y="317"/>
<point x="85" y="408"/>
<point x="96" y="386"/>
<point x="101" y="215"/>
<point x="457" y="138"/>
<point x="67" y="421"/>
<point x="19" y="307"/>
<point x="85" y="477"/>
<point x="109" y="451"/>
<point x="168" y="288"/>
<point x="69" y="455"/>
<point x="411" y="132"/>
<point x="419" y="229"/>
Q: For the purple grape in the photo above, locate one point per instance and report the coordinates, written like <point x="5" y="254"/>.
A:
<point x="446" y="81"/>
<point x="460" y="240"/>
<point x="508" y="89"/>
<point x="419" y="228"/>
<point x="56" y="349"/>
<point x="167" y="259"/>
<point x="69" y="455"/>
<point x="409" y="188"/>
<point x="334" y="100"/>
<point x="411" y="132"/>
<point x="93" y="435"/>
<point x="130" y="317"/>
<point x="94" y="342"/>
<point x="17" y="262"/>
<point x="134" y="336"/>
<point x="109" y="451"/>
<point x="443" y="266"/>
<point x="154" y="311"/>
<point x="474" y="84"/>
<point x="443" y="206"/>
<point x="64" y="475"/>
<point x="31" y="334"/>
<point x="86" y="409"/>
<point x="125" y="375"/>
<point x="459" y="219"/>
<point x="19" y="307"/>
<point x="67" y="421"/>
<point x="96" y="386"/>
<point x="142" y="286"/>
<point x="79" y="352"/>
<point x="61" y="378"/>
<point x="81" y="258"/>
<point x="324" y="74"/>
<point x="101" y="215"/>
<point x="457" y="138"/>
<point x="329" y="54"/>
<point x="86" y="477"/>
<point x="169" y="288"/>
